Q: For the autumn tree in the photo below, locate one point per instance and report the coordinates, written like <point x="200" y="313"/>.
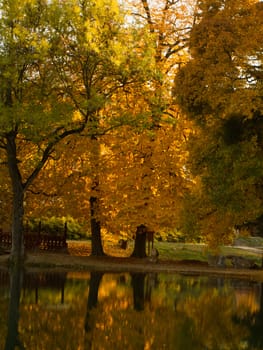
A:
<point x="60" y="64"/>
<point x="129" y="67"/>
<point x="220" y="89"/>
<point x="5" y="193"/>
<point x="132" y="189"/>
<point x="169" y="22"/>
<point x="139" y="166"/>
<point x="27" y="97"/>
<point x="138" y="183"/>
<point x="102" y="76"/>
<point x="143" y="182"/>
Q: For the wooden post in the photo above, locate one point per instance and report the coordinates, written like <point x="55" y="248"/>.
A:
<point x="39" y="234"/>
<point x="39" y="227"/>
<point x="65" y="231"/>
<point x="149" y="239"/>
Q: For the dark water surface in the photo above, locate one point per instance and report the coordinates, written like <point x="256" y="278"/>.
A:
<point x="101" y="311"/>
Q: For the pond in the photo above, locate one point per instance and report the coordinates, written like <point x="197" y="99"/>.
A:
<point x="101" y="311"/>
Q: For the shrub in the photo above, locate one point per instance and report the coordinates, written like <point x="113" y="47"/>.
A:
<point x="56" y="225"/>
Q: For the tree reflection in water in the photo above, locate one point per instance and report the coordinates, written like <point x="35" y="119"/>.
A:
<point x="137" y="283"/>
<point x="12" y="338"/>
<point x="94" y="284"/>
<point x="104" y="311"/>
<point x="253" y="321"/>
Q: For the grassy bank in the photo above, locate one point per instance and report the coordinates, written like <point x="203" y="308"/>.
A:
<point x="171" y="251"/>
<point x="200" y="252"/>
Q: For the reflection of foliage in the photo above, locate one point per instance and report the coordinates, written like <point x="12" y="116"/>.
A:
<point x="60" y="324"/>
<point x="181" y="313"/>
<point x="3" y="318"/>
<point x="211" y="320"/>
<point x="56" y="326"/>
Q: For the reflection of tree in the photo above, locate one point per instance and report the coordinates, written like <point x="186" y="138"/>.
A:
<point x="12" y="339"/>
<point x="255" y="323"/>
<point x="206" y="322"/>
<point x="36" y="281"/>
<point x="256" y="338"/>
<point x="202" y="317"/>
<point x="138" y="290"/>
<point x="95" y="279"/>
<point x="151" y="284"/>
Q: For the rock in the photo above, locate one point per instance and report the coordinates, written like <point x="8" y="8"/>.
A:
<point x="240" y="262"/>
<point x="216" y="260"/>
<point x="154" y="255"/>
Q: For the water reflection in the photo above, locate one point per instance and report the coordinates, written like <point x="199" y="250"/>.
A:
<point x="95" y="280"/>
<point x="12" y="338"/>
<point x="128" y="311"/>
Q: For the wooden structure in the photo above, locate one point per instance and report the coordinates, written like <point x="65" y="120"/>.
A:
<point x="37" y="240"/>
<point x="149" y="241"/>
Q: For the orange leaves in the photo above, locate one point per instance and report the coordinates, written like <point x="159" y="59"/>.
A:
<point x="147" y="178"/>
<point x="222" y="45"/>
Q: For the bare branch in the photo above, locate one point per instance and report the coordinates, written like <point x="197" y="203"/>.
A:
<point x="148" y="14"/>
<point x="43" y="193"/>
<point x="49" y="149"/>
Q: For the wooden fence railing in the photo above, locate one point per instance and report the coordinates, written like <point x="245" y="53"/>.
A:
<point x="37" y="240"/>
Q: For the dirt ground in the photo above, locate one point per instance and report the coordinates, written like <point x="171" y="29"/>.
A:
<point x="78" y="258"/>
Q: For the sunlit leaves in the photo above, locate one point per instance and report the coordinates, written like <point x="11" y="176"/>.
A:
<point x="215" y="81"/>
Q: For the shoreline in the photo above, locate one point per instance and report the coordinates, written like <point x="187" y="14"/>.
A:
<point x="65" y="262"/>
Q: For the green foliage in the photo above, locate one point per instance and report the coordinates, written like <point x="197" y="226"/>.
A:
<point x="61" y="64"/>
<point x="220" y="89"/>
<point x="56" y="226"/>
<point x="176" y="236"/>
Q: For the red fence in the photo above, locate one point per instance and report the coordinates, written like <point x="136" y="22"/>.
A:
<point x="37" y="240"/>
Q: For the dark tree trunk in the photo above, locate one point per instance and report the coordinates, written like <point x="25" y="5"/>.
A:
<point x="12" y="339"/>
<point x="96" y="243"/>
<point x="140" y="242"/>
<point x="17" y="250"/>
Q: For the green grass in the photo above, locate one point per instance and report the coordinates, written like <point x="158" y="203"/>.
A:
<point x="170" y="251"/>
<point x="200" y="252"/>
<point x="181" y="251"/>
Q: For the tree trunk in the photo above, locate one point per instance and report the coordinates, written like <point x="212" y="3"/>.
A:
<point x="96" y="243"/>
<point x="140" y="242"/>
<point x="17" y="250"/>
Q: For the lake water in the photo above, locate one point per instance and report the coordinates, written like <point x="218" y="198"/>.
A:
<point x="78" y="310"/>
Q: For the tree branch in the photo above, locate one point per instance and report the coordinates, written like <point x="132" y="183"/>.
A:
<point x="48" y="150"/>
<point x="148" y="14"/>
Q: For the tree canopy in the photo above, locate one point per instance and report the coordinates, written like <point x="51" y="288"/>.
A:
<point x="60" y="65"/>
<point x="220" y="88"/>
<point x="131" y="114"/>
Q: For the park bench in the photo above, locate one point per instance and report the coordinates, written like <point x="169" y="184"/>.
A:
<point x="37" y="240"/>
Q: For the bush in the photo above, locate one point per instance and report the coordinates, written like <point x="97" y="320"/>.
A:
<point x="171" y="236"/>
<point x="56" y="226"/>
